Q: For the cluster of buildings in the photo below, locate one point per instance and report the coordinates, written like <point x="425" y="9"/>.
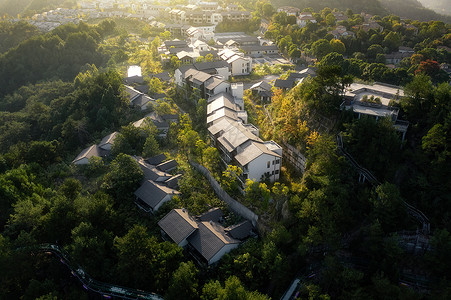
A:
<point x="158" y="185"/>
<point x="204" y="236"/>
<point x="51" y="19"/>
<point x="208" y="13"/>
<point x="235" y="61"/>
<point x="356" y="98"/>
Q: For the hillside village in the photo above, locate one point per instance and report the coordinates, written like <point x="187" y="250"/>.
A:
<point x="266" y="153"/>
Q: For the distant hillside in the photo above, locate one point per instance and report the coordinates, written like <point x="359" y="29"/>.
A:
<point x="14" y="7"/>
<point x="413" y="9"/>
<point x="440" y="6"/>
<point x="357" y="6"/>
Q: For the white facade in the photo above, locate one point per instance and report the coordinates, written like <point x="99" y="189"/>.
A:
<point x="167" y="198"/>
<point x="241" y="66"/>
<point x="224" y="250"/>
<point x="223" y="87"/>
<point x="264" y="165"/>
<point x="223" y="72"/>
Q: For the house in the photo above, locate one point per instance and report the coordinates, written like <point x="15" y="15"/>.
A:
<point x="238" y="64"/>
<point x="135" y="79"/>
<point x="263" y="90"/>
<point x="284" y="84"/>
<point x="187" y="57"/>
<point x="209" y="85"/>
<point x="156" y="160"/>
<point x="163" y="76"/>
<point x="157" y="120"/>
<point x="151" y="195"/>
<point x="167" y="166"/>
<point x="259" y="51"/>
<point x="339" y="16"/>
<point x="137" y="98"/>
<point x="151" y="172"/>
<point x="341" y="31"/>
<point x="305" y="18"/>
<point x="396" y="57"/>
<point x="221" y="105"/>
<point x="239" y="144"/>
<point x="220" y="68"/>
<point x="236" y="16"/>
<point x="403" y="49"/>
<point x="177" y="226"/>
<point x="375" y="101"/>
<point x="86" y="154"/>
<point x="240" y="38"/>
<point x="205" y="238"/>
<point x="107" y="142"/>
<point x="289" y="10"/>
<point x="200" y="45"/>
<point x="173" y="182"/>
<point x="103" y="149"/>
<point x="210" y="242"/>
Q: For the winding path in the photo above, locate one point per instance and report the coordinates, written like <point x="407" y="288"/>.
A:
<point x="107" y="290"/>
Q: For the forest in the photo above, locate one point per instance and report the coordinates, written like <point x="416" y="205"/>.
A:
<point x="63" y="91"/>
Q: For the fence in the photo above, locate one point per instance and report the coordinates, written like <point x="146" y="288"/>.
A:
<point x="234" y="205"/>
<point x="294" y="157"/>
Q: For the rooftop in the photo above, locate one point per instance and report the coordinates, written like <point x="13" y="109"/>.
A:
<point x="178" y="225"/>
<point x="152" y="193"/>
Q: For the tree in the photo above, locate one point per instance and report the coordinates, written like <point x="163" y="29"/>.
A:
<point x="166" y="35"/>
<point x="337" y="46"/>
<point x="211" y="159"/>
<point x="388" y="206"/>
<point x="392" y="41"/>
<point x="330" y="19"/>
<point x="268" y="10"/>
<point x="155" y="86"/>
<point x="143" y="262"/>
<point x="374" y="50"/>
<point x="321" y="48"/>
<point x="230" y="178"/>
<point x="151" y="147"/>
<point x="209" y="57"/>
<point x="70" y="188"/>
<point x="184" y="283"/>
<point x="124" y="177"/>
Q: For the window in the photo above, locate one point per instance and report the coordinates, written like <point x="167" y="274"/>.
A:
<point x="277" y="161"/>
<point x="277" y="172"/>
<point x="273" y="162"/>
<point x="272" y="173"/>
<point x="268" y="164"/>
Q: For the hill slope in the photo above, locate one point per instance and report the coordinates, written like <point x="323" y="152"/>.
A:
<point x="14" y="7"/>
<point x="357" y="6"/>
<point x="439" y="6"/>
<point x="413" y="9"/>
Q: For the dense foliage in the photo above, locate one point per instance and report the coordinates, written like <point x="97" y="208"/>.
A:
<point x="341" y="237"/>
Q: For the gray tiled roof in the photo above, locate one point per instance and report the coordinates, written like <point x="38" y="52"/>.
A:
<point x="109" y="139"/>
<point x="281" y="83"/>
<point x="167" y="165"/>
<point x="156" y="160"/>
<point x="173" y="182"/>
<point x="152" y="194"/>
<point x="240" y="231"/>
<point x="209" y="239"/>
<point x="213" y="214"/>
<point x="178" y="225"/>
<point x="89" y="152"/>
